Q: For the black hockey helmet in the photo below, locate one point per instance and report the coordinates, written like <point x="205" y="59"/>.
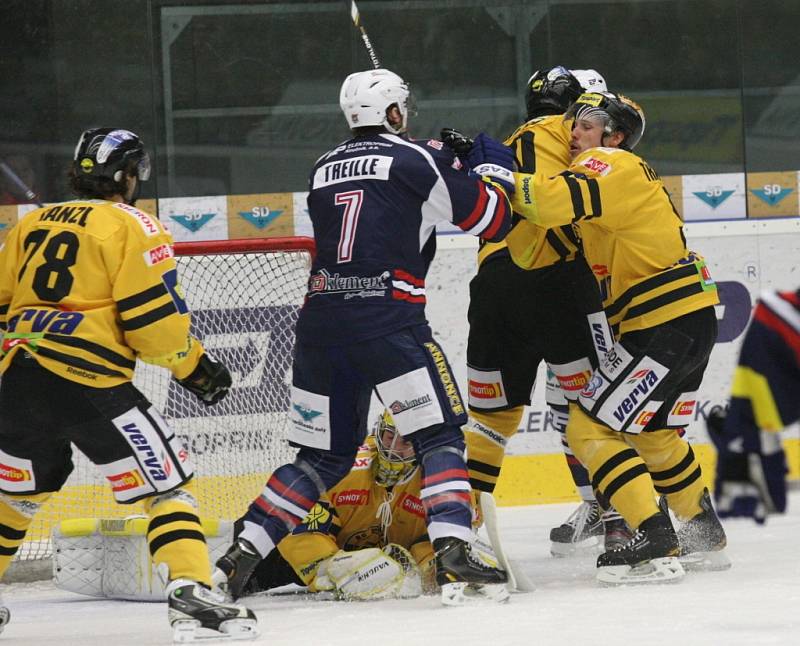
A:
<point x="551" y="91"/>
<point x="110" y="153"/>
<point x="618" y="113"/>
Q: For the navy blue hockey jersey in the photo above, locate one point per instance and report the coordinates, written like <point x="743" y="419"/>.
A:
<point x="374" y="202"/>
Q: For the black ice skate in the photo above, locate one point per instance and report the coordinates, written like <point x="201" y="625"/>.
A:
<point x="616" y="530"/>
<point x="196" y="613"/>
<point x="702" y="538"/>
<point x="650" y="556"/>
<point x="581" y="533"/>
<point x="237" y="566"/>
<point x="465" y="574"/>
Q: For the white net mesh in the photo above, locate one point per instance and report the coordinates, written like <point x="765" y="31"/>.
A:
<point x="244" y="309"/>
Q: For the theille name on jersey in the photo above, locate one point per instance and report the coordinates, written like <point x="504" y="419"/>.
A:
<point x="355" y="168"/>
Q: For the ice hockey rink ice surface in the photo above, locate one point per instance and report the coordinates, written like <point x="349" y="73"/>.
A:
<point x="757" y="601"/>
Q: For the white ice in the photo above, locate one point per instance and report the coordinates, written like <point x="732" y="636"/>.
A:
<point x="755" y="602"/>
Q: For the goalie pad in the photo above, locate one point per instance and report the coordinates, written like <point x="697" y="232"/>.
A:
<point x="110" y="558"/>
<point x="371" y="574"/>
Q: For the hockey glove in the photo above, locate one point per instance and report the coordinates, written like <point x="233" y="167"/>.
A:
<point x="748" y="484"/>
<point x="493" y="160"/>
<point x="460" y="144"/>
<point x="210" y="380"/>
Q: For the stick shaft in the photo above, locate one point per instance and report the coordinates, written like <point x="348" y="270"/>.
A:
<point x="19" y="184"/>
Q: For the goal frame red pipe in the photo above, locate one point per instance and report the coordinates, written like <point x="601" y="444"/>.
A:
<point x="245" y="245"/>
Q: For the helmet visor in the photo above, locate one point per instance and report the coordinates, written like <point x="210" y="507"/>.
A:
<point x="143" y="168"/>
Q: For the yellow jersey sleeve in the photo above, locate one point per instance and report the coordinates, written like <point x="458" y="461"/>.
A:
<point x="153" y="313"/>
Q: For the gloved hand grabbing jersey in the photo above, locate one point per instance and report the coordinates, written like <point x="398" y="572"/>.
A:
<point x="750" y="484"/>
<point x="210" y="380"/>
<point x="491" y="159"/>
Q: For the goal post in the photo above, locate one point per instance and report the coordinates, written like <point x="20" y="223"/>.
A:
<point x="244" y="296"/>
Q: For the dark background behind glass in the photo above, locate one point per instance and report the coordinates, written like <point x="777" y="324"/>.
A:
<point x="242" y="97"/>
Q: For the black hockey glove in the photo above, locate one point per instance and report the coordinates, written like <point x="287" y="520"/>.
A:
<point x="460" y="144"/>
<point x="749" y="484"/>
<point x="210" y="380"/>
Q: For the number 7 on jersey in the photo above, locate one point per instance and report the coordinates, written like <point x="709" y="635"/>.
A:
<point x="352" y="201"/>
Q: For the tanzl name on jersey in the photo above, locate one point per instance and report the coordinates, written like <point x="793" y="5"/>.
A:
<point x="355" y="168"/>
<point x="69" y="214"/>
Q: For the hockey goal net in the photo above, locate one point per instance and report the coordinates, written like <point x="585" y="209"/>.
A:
<point x="244" y="296"/>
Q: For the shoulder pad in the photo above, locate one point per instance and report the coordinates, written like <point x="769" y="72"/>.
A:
<point x="149" y="224"/>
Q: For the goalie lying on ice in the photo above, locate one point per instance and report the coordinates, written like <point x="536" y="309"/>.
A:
<point x="367" y="537"/>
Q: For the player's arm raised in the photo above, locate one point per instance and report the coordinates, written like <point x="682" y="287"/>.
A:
<point x="479" y="191"/>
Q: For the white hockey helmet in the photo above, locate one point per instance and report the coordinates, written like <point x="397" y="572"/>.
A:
<point x="365" y="96"/>
<point x="590" y="80"/>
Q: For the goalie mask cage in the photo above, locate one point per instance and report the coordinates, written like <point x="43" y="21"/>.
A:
<point x="244" y="296"/>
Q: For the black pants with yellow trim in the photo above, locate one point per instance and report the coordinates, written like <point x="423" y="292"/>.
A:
<point x="43" y="414"/>
<point x="628" y="470"/>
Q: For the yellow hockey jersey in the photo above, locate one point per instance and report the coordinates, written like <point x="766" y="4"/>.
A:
<point x="359" y="513"/>
<point x="632" y="236"/>
<point x="540" y="145"/>
<point x="87" y="287"/>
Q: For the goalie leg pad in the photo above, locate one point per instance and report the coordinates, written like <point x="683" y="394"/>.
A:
<point x="110" y="557"/>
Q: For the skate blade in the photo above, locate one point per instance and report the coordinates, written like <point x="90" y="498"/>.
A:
<point x="185" y="631"/>
<point x="663" y="570"/>
<point x="462" y="593"/>
<point x="715" y="561"/>
<point x="589" y="546"/>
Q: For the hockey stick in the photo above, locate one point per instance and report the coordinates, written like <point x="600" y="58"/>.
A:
<point x="517" y="579"/>
<point x="19" y="184"/>
<point x="356" y="16"/>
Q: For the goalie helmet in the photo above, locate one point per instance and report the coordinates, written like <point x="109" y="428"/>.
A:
<point x="365" y="97"/>
<point x="395" y="461"/>
<point x="616" y="112"/>
<point x="551" y="91"/>
<point x="109" y="153"/>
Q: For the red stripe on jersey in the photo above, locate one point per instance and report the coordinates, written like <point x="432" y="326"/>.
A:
<point x="449" y="474"/>
<point x="460" y="497"/>
<point x="290" y="494"/>
<point x="405" y="296"/>
<point x="290" y="520"/>
<point x="404" y="275"/>
<point x="498" y="218"/>
<point x="774" y="322"/>
<point x="480" y="207"/>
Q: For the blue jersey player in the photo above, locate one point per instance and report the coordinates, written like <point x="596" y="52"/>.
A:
<point x="374" y="202"/>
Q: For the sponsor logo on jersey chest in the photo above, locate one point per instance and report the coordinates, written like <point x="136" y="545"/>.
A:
<point x="413" y="505"/>
<point x="355" y="497"/>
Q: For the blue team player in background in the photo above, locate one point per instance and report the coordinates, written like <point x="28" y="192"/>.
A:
<point x="374" y="203"/>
